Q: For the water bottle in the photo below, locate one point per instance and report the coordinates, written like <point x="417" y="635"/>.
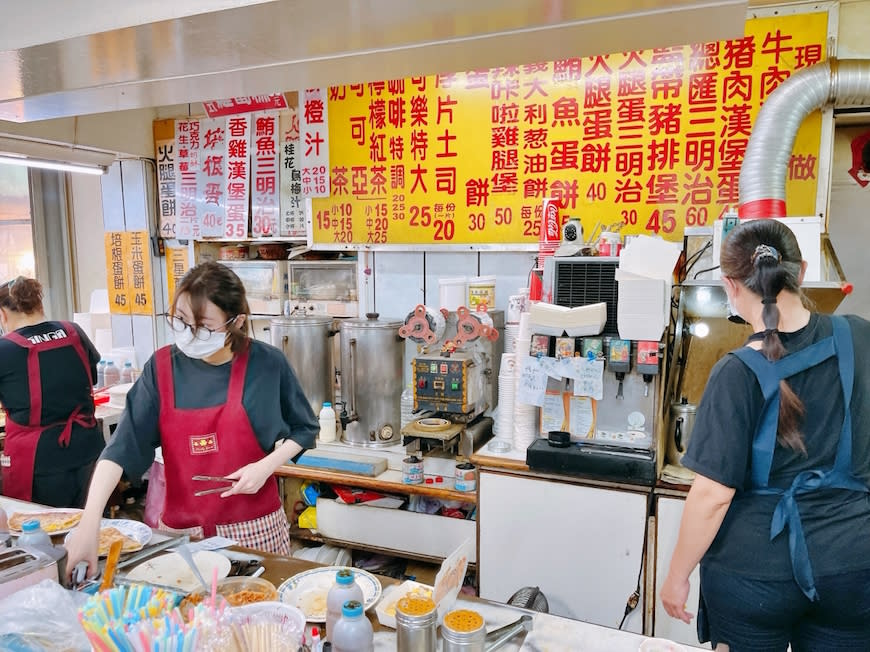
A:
<point x="327" y="423"/>
<point x="111" y="374"/>
<point x="101" y="374"/>
<point x="407" y="406"/>
<point x="127" y="373"/>
<point x="33" y="536"/>
<point x="344" y="589"/>
<point x="353" y="632"/>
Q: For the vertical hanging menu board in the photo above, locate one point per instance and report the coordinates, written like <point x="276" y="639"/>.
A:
<point x="164" y="154"/>
<point x="315" y="143"/>
<point x="211" y="209"/>
<point x="187" y="166"/>
<point x="237" y="170"/>
<point x="129" y="273"/>
<point x="651" y="140"/>
<point x="292" y="206"/>
<point x="264" y="194"/>
<point x="177" y="264"/>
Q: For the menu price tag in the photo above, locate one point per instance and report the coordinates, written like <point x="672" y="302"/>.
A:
<point x="164" y="154"/>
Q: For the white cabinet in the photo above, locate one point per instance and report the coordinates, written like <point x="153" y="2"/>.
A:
<point x="583" y="546"/>
<point x="669" y="511"/>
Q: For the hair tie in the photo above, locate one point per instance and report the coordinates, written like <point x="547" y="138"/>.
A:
<point x="768" y="331"/>
<point x="768" y="300"/>
<point x="764" y="251"/>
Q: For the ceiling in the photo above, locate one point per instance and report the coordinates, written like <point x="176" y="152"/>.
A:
<point x="94" y="56"/>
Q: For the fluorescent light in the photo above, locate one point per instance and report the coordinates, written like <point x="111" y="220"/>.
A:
<point x="51" y="165"/>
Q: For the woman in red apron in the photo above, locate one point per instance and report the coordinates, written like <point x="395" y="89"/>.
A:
<point x="218" y="404"/>
<point x="47" y="371"/>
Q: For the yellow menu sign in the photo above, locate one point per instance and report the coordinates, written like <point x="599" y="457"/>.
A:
<point x="652" y="140"/>
<point x="177" y="264"/>
<point x="129" y="273"/>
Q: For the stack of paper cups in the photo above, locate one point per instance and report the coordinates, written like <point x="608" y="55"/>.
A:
<point x="503" y="427"/>
<point x="510" y="337"/>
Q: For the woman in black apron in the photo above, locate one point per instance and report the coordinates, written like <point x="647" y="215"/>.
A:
<point x="779" y="511"/>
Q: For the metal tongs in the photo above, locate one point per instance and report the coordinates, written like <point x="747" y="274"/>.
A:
<point x="212" y="478"/>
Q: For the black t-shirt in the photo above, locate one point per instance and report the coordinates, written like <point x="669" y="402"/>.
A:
<point x="66" y="385"/>
<point x="835" y="521"/>
<point x="272" y="397"/>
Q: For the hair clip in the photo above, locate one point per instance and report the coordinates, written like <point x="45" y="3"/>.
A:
<point x="765" y="251"/>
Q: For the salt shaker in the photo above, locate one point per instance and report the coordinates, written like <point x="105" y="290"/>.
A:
<point x="416" y="624"/>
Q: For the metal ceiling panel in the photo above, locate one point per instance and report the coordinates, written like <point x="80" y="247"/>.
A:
<point x="291" y="44"/>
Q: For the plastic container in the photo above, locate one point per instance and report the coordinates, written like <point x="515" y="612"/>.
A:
<point x="407" y="402"/>
<point x="463" y="630"/>
<point x="481" y="290"/>
<point x="353" y="632"/>
<point x="240" y="591"/>
<point x="416" y="625"/>
<point x="327" y="423"/>
<point x="101" y="373"/>
<point x="127" y="373"/>
<point x="32" y="535"/>
<point x="345" y="589"/>
<point x="111" y="374"/>
<point x="452" y="293"/>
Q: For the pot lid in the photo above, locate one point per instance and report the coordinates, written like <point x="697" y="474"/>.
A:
<point x="371" y="321"/>
<point x="303" y="319"/>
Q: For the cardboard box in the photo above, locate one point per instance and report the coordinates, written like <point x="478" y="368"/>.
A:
<point x="393" y="529"/>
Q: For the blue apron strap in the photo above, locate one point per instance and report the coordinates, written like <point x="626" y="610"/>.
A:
<point x="846" y="361"/>
<point x="763" y="444"/>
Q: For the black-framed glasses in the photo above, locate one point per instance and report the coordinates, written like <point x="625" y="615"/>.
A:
<point x="203" y="333"/>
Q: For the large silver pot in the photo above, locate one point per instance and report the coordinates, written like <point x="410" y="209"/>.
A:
<point x="371" y="380"/>
<point x="682" y="423"/>
<point x="307" y="344"/>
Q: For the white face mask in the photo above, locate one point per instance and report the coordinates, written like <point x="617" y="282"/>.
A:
<point x="195" y="348"/>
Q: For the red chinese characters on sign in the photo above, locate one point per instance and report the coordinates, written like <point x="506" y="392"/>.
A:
<point x="236" y="176"/>
<point x="187" y="142"/>
<point x="292" y="222"/>
<point x="210" y="187"/>
<point x="264" y="194"/>
<point x="314" y="141"/>
<point x="245" y="104"/>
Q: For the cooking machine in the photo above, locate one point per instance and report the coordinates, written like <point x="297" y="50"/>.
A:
<point x="457" y="358"/>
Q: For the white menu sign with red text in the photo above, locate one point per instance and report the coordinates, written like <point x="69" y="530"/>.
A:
<point x="236" y="175"/>
<point x="187" y="141"/>
<point x="244" y="104"/>
<point x="264" y="158"/>
<point x="292" y="204"/>
<point x="211" y="210"/>
<point x="314" y="140"/>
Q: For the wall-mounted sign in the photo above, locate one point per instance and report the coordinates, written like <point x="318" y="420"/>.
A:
<point x="246" y="104"/>
<point x="164" y="154"/>
<point x="129" y="273"/>
<point x="651" y="141"/>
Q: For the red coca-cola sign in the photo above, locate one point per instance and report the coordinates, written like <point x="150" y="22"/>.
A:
<point x="551" y="226"/>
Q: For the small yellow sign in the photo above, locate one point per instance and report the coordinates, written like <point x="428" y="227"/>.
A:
<point x="177" y="264"/>
<point x="117" y="273"/>
<point x="128" y="275"/>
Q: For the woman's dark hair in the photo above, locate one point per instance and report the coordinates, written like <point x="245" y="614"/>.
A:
<point x="764" y="255"/>
<point x="219" y="284"/>
<point x="22" y="295"/>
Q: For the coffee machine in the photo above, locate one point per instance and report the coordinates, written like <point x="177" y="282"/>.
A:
<point x="457" y="360"/>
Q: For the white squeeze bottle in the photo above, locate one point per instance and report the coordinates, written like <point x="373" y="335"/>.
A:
<point x="127" y="373"/>
<point x="101" y="374"/>
<point x="327" y="423"/>
<point x="344" y="589"/>
<point x="111" y="374"/>
<point x="353" y="633"/>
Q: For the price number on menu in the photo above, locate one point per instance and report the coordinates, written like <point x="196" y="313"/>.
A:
<point x="140" y="299"/>
<point x="121" y="300"/>
<point x="338" y="220"/>
<point x="443" y="227"/>
<point x="502" y="217"/>
<point x="665" y="220"/>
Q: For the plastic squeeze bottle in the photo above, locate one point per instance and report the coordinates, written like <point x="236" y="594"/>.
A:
<point x="327" y="423"/>
<point x="344" y="589"/>
<point x="353" y="633"/>
<point x="127" y="372"/>
<point x="111" y="374"/>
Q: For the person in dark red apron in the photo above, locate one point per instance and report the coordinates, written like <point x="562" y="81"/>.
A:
<point x="46" y="385"/>
<point x="226" y="411"/>
<point x="779" y="509"/>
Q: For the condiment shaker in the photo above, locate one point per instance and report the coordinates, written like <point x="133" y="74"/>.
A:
<point x="416" y="624"/>
<point x="463" y="630"/>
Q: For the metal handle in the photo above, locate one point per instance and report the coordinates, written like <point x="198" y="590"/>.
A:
<point x="678" y="434"/>
<point x="498" y="637"/>
<point x="352" y="393"/>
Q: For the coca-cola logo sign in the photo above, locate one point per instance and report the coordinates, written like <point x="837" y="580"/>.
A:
<point x="552" y="222"/>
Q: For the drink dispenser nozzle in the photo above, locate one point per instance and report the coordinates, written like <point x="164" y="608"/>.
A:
<point x="619" y="360"/>
<point x="647" y="362"/>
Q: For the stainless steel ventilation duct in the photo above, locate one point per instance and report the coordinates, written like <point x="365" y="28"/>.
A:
<point x="762" y="176"/>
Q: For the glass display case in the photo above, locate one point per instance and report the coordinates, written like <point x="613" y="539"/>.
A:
<point x="324" y="286"/>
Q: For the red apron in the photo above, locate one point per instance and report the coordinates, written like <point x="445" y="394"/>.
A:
<point x="19" y="455"/>
<point x="208" y="441"/>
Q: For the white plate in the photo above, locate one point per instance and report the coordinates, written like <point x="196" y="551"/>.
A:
<point x="307" y="590"/>
<point x="136" y="530"/>
<point x="171" y="570"/>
